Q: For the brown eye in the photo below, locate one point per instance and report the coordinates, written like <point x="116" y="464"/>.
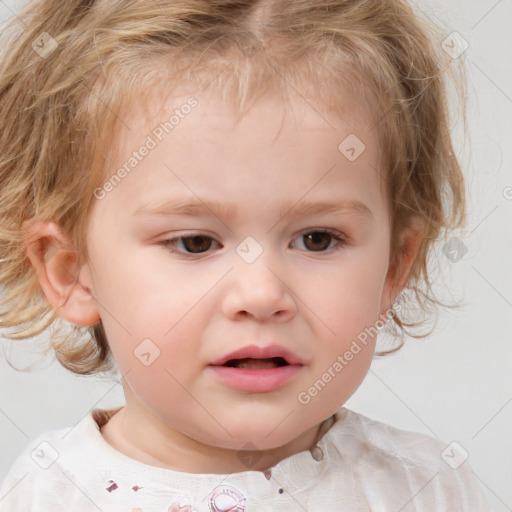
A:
<point x="321" y="241"/>
<point x="317" y="241"/>
<point x="197" y="244"/>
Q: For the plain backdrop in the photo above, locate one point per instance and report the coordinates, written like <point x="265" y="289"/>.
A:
<point x="455" y="385"/>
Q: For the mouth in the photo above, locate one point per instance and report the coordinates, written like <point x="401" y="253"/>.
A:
<point x="256" y="369"/>
<point x="253" y="356"/>
<point x="250" y="363"/>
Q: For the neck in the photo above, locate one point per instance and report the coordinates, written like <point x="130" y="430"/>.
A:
<point x="146" y="439"/>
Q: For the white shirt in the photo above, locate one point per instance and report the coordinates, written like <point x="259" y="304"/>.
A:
<point x="363" y="465"/>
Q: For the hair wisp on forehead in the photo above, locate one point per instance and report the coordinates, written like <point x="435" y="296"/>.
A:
<point x="60" y="107"/>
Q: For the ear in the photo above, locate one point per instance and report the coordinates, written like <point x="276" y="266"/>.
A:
<point x="56" y="263"/>
<point x="399" y="270"/>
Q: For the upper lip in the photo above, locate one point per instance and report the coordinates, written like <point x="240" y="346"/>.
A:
<point x="256" y="352"/>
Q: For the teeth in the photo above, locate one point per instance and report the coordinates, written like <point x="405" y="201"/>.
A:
<point x="257" y="363"/>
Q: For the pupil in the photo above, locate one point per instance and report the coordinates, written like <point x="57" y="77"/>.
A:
<point x="197" y="240"/>
<point x="316" y="238"/>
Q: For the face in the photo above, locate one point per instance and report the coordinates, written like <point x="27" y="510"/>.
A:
<point x="285" y="255"/>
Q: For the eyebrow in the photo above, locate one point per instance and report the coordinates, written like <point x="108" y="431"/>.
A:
<point x="197" y="207"/>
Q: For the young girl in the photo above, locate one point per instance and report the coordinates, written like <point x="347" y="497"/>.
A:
<point x="223" y="201"/>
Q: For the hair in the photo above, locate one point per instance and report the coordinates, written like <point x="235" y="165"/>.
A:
<point x="60" y="108"/>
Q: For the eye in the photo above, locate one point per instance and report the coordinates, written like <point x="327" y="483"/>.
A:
<point x="320" y="240"/>
<point x="314" y="241"/>
<point x="196" y="244"/>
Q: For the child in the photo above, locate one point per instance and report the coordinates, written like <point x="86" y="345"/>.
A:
<point x="224" y="200"/>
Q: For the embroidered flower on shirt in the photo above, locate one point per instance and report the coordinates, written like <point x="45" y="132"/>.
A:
<point x="112" y="487"/>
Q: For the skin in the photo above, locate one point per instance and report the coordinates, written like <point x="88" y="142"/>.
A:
<point x="196" y="308"/>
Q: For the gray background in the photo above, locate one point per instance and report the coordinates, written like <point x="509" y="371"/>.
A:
<point x="455" y="385"/>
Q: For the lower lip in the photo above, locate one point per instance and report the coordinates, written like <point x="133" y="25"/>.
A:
<point x="256" y="381"/>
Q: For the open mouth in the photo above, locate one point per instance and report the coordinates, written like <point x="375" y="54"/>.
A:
<point x="257" y="373"/>
<point x="257" y="364"/>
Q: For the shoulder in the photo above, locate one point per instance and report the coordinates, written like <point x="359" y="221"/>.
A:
<point x="437" y="470"/>
<point x="34" y="472"/>
<point x="48" y="471"/>
<point x="412" y="447"/>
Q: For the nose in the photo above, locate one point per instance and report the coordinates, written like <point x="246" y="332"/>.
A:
<point x="258" y="291"/>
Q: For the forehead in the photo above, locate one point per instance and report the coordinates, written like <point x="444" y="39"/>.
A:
<point x="312" y="104"/>
<point x="291" y="146"/>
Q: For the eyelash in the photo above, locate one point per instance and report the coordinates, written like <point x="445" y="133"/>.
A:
<point x="337" y="236"/>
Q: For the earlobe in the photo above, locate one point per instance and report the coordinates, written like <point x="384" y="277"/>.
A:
<point x="399" y="271"/>
<point x="56" y="264"/>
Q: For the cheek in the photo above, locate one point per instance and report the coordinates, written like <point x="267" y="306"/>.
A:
<point x="348" y="305"/>
<point x="143" y="315"/>
<point x="160" y="327"/>
<point x="141" y="294"/>
<point x="160" y="360"/>
<point x="336" y="382"/>
<point x="348" y="300"/>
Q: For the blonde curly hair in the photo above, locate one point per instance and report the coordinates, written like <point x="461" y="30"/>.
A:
<point x="59" y="111"/>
